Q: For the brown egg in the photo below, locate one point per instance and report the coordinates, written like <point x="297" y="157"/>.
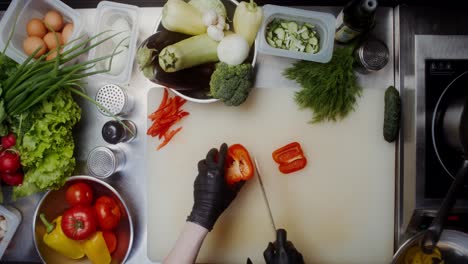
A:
<point x="51" y="40"/>
<point x="52" y="55"/>
<point x="53" y="20"/>
<point x="67" y="32"/>
<point x="31" y="44"/>
<point x="36" y="28"/>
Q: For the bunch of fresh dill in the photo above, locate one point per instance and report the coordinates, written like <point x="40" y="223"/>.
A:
<point x="330" y="90"/>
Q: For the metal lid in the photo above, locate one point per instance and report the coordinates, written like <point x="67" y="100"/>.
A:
<point x="113" y="98"/>
<point x="373" y="54"/>
<point x="102" y="162"/>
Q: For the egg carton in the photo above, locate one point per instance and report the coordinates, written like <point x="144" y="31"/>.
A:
<point x="19" y="12"/>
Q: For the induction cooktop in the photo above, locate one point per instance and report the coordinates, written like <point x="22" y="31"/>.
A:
<point x="439" y="74"/>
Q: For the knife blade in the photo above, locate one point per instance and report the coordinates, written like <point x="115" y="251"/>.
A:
<point x="265" y="197"/>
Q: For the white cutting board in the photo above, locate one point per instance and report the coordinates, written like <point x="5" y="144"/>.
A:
<point x="339" y="209"/>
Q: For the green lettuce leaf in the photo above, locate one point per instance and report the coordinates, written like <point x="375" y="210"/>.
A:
<point x="25" y="189"/>
<point x="46" y="143"/>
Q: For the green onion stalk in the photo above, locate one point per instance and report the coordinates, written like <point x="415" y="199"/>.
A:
<point x="35" y="80"/>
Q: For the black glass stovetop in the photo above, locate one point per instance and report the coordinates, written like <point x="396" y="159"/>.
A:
<point x="439" y="74"/>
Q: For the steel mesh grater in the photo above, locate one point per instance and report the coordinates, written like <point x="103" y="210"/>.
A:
<point x="372" y="55"/>
<point x="115" y="99"/>
<point x="103" y="162"/>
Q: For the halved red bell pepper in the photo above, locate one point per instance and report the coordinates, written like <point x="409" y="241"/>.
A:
<point x="290" y="158"/>
<point x="239" y="166"/>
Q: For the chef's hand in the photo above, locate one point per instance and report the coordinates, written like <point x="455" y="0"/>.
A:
<point x="282" y="251"/>
<point x="212" y="195"/>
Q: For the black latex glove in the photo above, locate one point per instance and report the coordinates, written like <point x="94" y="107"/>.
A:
<point x="212" y="195"/>
<point x="282" y="251"/>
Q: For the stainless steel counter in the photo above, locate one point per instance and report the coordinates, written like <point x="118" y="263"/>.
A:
<point x="410" y="22"/>
<point x="131" y="182"/>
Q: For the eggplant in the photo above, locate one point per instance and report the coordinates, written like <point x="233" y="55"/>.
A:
<point x="194" y="80"/>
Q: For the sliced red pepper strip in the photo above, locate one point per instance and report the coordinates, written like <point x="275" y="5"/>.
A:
<point x="163" y="103"/>
<point x="167" y="114"/>
<point x="163" y="131"/>
<point x="239" y="166"/>
<point x="168" y="136"/>
<point x="164" y="99"/>
<point x="290" y="158"/>
<point x="296" y="165"/>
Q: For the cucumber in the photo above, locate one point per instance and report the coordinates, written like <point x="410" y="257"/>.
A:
<point x="292" y="27"/>
<point x="278" y="42"/>
<point x="270" y="42"/>
<point x="392" y="114"/>
<point x="291" y="35"/>
<point x="313" y="41"/>
<point x="279" y="33"/>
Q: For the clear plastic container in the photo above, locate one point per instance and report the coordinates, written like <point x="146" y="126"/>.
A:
<point x="27" y="10"/>
<point x="116" y="18"/>
<point x="13" y="219"/>
<point x="324" y="25"/>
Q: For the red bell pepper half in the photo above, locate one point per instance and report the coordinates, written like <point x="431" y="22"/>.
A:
<point x="290" y="158"/>
<point x="239" y="166"/>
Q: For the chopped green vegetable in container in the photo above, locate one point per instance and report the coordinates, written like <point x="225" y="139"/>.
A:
<point x="292" y="35"/>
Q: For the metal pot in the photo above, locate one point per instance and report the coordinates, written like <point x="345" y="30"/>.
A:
<point x="452" y="244"/>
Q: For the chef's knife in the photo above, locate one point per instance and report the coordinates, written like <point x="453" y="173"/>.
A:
<point x="265" y="198"/>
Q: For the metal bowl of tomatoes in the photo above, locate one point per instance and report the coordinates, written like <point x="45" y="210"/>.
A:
<point x="85" y="220"/>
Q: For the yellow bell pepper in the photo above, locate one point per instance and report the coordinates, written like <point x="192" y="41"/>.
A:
<point x="96" y="249"/>
<point x="57" y="240"/>
<point x="247" y="20"/>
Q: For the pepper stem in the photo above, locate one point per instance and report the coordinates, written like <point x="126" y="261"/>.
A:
<point x="49" y="226"/>
<point x="169" y="60"/>
<point x="252" y="6"/>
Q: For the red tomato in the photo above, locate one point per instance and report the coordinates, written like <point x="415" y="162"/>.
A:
<point x="79" y="193"/>
<point x="108" y="212"/>
<point x="79" y="222"/>
<point x="111" y="240"/>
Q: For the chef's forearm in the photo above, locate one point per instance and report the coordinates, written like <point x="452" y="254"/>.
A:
<point x="188" y="244"/>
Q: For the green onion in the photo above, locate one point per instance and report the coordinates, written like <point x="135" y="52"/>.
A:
<point x="35" y="80"/>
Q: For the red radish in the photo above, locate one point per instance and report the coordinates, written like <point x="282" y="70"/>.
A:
<point x="9" y="161"/>
<point x="9" y="140"/>
<point x="13" y="179"/>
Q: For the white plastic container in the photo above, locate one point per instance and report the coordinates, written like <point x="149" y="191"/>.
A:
<point x="13" y="219"/>
<point x="115" y="18"/>
<point x="27" y="10"/>
<point x="324" y="24"/>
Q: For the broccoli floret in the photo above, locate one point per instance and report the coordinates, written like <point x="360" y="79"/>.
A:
<point x="231" y="84"/>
